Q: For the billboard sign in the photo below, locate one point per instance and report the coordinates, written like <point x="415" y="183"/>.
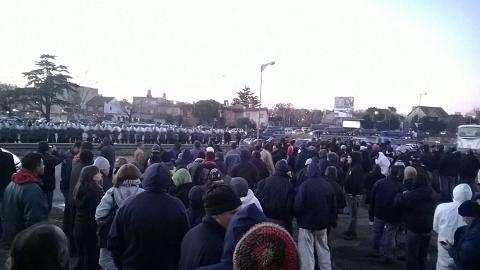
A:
<point x="344" y="103"/>
<point x="351" y="124"/>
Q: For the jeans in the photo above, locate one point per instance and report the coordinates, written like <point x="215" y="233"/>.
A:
<point x="353" y="203"/>
<point x="447" y="183"/>
<point x="384" y="237"/>
<point x="417" y="248"/>
<point x="310" y="241"/>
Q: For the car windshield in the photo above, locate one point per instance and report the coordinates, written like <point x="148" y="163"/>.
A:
<point x="469" y="132"/>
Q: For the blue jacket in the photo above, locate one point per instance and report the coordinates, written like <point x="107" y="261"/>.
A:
<point x="382" y="201"/>
<point x="239" y="225"/>
<point x="148" y="229"/>
<point x="315" y="203"/>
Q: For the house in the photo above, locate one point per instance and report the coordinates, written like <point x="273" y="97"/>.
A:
<point x="233" y="113"/>
<point x="105" y="108"/>
<point x="155" y="109"/>
<point x="418" y="112"/>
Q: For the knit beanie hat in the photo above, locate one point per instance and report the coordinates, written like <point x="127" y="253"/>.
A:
<point x="156" y="148"/>
<point x="220" y="198"/>
<point x="181" y="176"/>
<point x="101" y="163"/>
<point x="469" y="209"/>
<point x="266" y="246"/>
<point x="240" y="186"/>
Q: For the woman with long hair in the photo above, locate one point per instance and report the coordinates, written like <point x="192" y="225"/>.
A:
<point x="86" y="196"/>
<point x="126" y="183"/>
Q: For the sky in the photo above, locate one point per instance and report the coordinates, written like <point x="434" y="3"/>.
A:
<point x="383" y="53"/>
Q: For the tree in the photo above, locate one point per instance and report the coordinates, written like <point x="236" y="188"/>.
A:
<point x="431" y="124"/>
<point x="206" y="110"/>
<point x="127" y="108"/>
<point x="50" y="82"/>
<point x="246" y="98"/>
<point x="8" y="97"/>
<point x="246" y="123"/>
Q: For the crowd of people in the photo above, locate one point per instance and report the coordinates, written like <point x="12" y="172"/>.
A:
<point x="34" y="132"/>
<point x="271" y="206"/>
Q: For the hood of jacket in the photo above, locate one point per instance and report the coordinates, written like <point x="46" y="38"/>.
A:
<point x="181" y="176"/>
<point x="157" y="178"/>
<point x="313" y="169"/>
<point x="281" y="168"/>
<point x="122" y="193"/>
<point x="25" y="176"/>
<point x="462" y="193"/>
<point x="243" y="220"/>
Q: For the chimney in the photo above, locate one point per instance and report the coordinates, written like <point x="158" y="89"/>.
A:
<point x="164" y="96"/>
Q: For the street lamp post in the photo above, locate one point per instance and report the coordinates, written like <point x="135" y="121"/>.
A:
<point x="420" y="98"/>
<point x="262" y="68"/>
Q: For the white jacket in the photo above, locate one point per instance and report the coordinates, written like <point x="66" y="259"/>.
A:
<point x="250" y="199"/>
<point x="383" y="162"/>
<point x="446" y="221"/>
<point x="130" y="188"/>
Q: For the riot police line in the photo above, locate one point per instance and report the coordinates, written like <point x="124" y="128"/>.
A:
<point x="120" y="134"/>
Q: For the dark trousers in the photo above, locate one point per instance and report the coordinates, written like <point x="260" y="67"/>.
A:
<point x="88" y="251"/>
<point x="417" y="248"/>
<point x="49" y="199"/>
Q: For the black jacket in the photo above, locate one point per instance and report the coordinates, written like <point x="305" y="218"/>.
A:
<point x="248" y="171"/>
<point x="466" y="250"/>
<point x="382" y="201"/>
<point x="469" y="166"/>
<point x="202" y="245"/>
<point x="354" y="180"/>
<point x="315" y="203"/>
<point x="181" y="192"/>
<point x="261" y="167"/>
<point x="7" y="168"/>
<point x="195" y="213"/>
<point x="417" y="207"/>
<point x="301" y="159"/>
<point x="449" y="164"/>
<point x="276" y="195"/>
<point x="66" y="172"/>
<point x="85" y="206"/>
<point x="48" y="178"/>
<point x="148" y="229"/>
<point x="339" y="194"/>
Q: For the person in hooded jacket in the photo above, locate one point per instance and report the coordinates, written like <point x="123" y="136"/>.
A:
<point x="446" y="221"/>
<point x="370" y="179"/>
<point x="24" y="202"/>
<point x="418" y="207"/>
<point x="202" y="245"/>
<point x="50" y="161"/>
<point x="302" y="157"/>
<point x="126" y="183"/>
<point x="409" y="174"/>
<point x="200" y="175"/>
<point x="182" y="183"/>
<point x="354" y="183"/>
<point x="66" y="169"/>
<point x="469" y="167"/>
<point x="246" y="169"/>
<point x="384" y="215"/>
<point x="316" y="210"/>
<point x="240" y="186"/>
<point x="86" y="197"/>
<point x="107" y="151"/>
<point x="466" y="249"/>
<point x="145" y="236"/>
<point x="261" y="166"/>
<point x="196" y="210"/>
<point x="220" y="162"/>
<point x="332" y="179"/>
<point x="383" y="162"/>
<point x="276" y="195"/>
<point x="239" y="225"/>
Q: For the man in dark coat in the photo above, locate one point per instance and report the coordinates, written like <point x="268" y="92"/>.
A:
<point x="418" y="208"/>
<point x="466" y="250"/>
<point x="316" y="210"/>
<point x="469" y="166"/>
<point x="144" y="235"/>
<point x="276" y="195"/>
<point x="67" y="169"/>
<point x="261" y="166"/>
<point x="354" y="183"/>
<point x="246" y="170"/>
<point x="448" y="170"/>
<point x="245" y="219"/>
<point x="232" y="157"/>
<point x="383" y="214"/>
<point x="48" y="178"/>
<point x="24" y="202"/>
<point x="7" y="168"/>
<point x="202" y="245"/>
<point x="107" y="151"/>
